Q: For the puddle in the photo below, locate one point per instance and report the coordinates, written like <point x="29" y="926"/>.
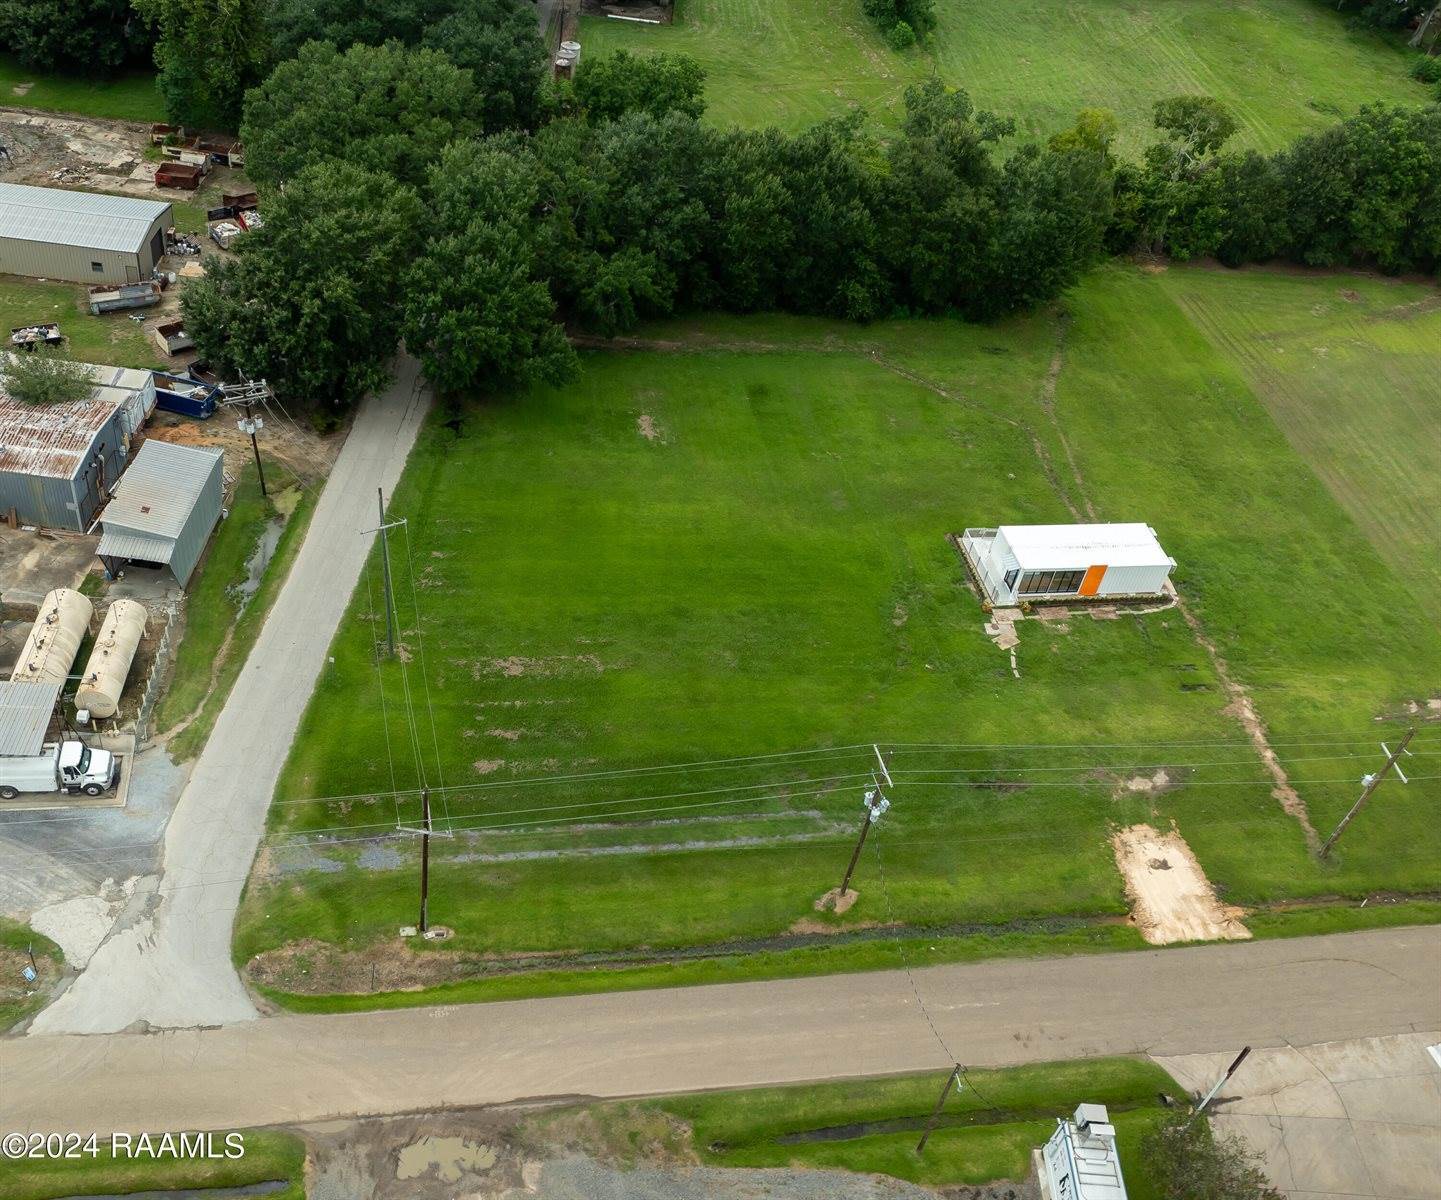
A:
<point x="260" y="559"/>
<point x="448" y="1157"/>
<point x="268" y="1187"/>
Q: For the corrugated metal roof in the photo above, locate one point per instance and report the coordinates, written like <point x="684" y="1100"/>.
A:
<point x="158" y="489"/>
<point x="1076" y="547"/>
<point x="25" y="710"/>
<point x="141" y="547"/>
<point x="54" y="439"/>
<point x="85" y="219"/>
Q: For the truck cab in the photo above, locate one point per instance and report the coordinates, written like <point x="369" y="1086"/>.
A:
<point x="81" y="769"/>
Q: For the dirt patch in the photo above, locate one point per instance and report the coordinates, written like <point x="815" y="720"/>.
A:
<point x="487" y="766"/>
<point x="509" y="735"/>
<point x="1171" y="898"/>
<point x="837" y="902"/>
<point x="646" y="426"/>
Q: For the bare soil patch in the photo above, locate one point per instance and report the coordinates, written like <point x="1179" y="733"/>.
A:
<point x="646" y="426"/>
<point x="1171" y="898"/>
<point x="837" y="902"/>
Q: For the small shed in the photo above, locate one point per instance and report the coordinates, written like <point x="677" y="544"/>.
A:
<point x="1017" y="563"/>
<point x="164" y="509"/>
<point x="59" y="461"/>
<point x="54" y="233"/>
<point x="26" y="709"/>
<point x="1081" y="1161"/>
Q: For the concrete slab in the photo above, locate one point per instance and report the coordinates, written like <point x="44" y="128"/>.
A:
<point x="1360" y="1117"/>
<point x="35" y="562"/>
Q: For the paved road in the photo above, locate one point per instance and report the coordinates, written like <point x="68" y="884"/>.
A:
<point x="170" y="964"/>
<point x="1182" y="1001"/>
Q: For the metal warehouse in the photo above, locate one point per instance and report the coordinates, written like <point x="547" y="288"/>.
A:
<point x="1017" y="563"/>
<point x="56" y="234"/>
<point x="58" y="462"/>
<point x="164" y="509"/>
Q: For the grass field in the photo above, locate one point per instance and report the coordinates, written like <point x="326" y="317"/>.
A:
<point x="733" y="545"/>
<point x="111" y="338"/>
<point x="270" y="1156"/>
<point x="19" y="999"/>
<point x="985" y="1134"/>
<point x="130" y="97"/>
<point x="228" y="604"/>
<point x="1283" y="66"/>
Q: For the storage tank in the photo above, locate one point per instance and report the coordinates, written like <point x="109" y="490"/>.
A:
<point x="54" y="638"/>
<point x="110" y="658"/>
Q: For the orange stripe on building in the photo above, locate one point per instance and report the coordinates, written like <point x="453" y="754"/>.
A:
<point x="1091" y="584"/>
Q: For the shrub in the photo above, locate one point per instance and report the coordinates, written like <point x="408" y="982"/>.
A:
<point x="901" y="36"/>
<point x="46" y="376"/>
<point x="1426" y="69"/>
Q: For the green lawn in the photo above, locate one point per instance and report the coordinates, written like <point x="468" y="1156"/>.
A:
<point x="111" y="338"/>
<point x="1283" y="66"/>
<point x="130" y="97"/>
<point x="985" y="1134"/>
<point x="221" y="621"/>
<point x="769" y="572"/>
<point x="269" y="1155"/>
<point x="19" y="999"/>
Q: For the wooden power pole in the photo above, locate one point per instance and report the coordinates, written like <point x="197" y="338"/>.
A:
<point x="425" y="859"/>
<point x="951" y="1081"/>
<point x="1371" y="782"/>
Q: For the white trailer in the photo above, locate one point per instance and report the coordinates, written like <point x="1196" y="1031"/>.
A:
<point x="69" y="766"/>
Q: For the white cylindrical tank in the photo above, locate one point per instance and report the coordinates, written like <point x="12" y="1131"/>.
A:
<point x="54" y="638"/>
<point x="110" y="658"/>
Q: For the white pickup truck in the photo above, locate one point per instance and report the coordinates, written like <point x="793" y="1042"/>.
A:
<point x="59" y="767"/>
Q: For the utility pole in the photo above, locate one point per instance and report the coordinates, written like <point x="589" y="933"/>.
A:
<point x="1371" y="782"/>
<point x="1219" y="1084"/>
<point x="876" y="804"/>
<point x="425" y="860"/>
<point x="385" y="562"/>
<point x="952" y="1080"/>
<point x="253" y="425"/>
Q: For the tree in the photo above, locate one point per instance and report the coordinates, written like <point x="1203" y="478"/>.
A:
<point x="1188" y="1162"/>
<point x="89" y="36"/>
<point x="477" y="310"/>
<point x="385" y="108"/>
<point x="45" y="375"/>
<point x="499" y="42"/>
<point x="311" y="301"/>
<point x="1197" y="126"/>
<point x="607" y="88"/>
<point x="208" y="52"/>
<point x="1094" y="131"/>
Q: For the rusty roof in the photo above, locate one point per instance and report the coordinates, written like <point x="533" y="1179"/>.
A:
<point x="55" y="439"/>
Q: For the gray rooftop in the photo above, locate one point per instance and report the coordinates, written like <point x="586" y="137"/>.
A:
<point x="25" y="710"/>
<point x="85" y="219"/>
<point x="158" y="490"/>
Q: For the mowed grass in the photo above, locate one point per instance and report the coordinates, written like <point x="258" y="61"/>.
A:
<point x="985" y="1132"/>
<point x="1348" y="369"/>
<point x="768" y="571"/>
<point x="1282" y="66"/>
<point x="270" y="1156"/>
<point x="110" y="338"/>
<point x="128" y="97"/>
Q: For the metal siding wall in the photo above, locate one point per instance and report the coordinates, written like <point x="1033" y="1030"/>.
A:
<point x="190" y="545"/>
<point x="38" y="500"/>
<point x="1133" y="581"/>
<point x="41" y="260"/>
<point x="148" y="260"/>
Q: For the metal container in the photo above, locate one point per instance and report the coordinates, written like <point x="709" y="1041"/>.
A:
<point x="109" y="665"/>
<point x="55" y="638"/>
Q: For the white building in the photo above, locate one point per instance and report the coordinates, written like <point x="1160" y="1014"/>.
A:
<point x="1017" y="563"/>
<point x="1081" y="1161"/>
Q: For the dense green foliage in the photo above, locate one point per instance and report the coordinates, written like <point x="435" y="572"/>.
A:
<point x="610" y="87"/>
<point x="902" y="21"/>
<point x="496" y="40"/>
<point x="384" y="108"/>
<point x="79" y="36"/>
<point x="208" y="52"/>
<point x="1366" y="189"/>
<point x="46" y="375"/>
<point x="1182" y="1160"/>
<point x="309" y="301"/>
